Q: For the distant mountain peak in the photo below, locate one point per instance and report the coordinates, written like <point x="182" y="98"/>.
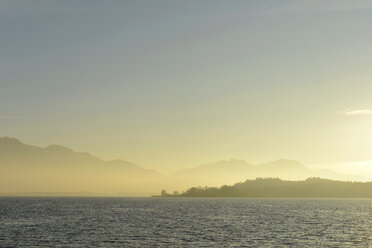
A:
<point x="284" y="164"/>
<point x="231" y="161"/>
<point x="58" y="149"/>
<point x="10" y="141"/>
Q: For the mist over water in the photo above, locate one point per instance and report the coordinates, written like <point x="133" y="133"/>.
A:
<point x="184" y="222"/>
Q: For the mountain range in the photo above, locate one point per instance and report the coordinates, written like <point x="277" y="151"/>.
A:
<point x="232" y="171"/>
<point x="27" y="169"/>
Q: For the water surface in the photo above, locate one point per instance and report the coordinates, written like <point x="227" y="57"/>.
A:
<point x="184" y="222"/>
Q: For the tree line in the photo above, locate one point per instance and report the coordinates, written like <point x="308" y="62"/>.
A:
<point x="275" y="187"/>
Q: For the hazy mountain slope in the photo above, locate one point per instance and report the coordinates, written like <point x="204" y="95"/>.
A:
<point x="25" y="168"/>
<point x="213" y="174"/>
<point x="231" y="171"/>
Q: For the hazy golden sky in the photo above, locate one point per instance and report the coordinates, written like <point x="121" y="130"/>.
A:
<point x="173" y="84"/>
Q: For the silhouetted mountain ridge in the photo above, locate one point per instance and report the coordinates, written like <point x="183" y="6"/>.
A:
<point x="27" y="168"/>
<point x="14" y="151"/>
<point x="55" y="168"/>
<point x="59" y="149"/>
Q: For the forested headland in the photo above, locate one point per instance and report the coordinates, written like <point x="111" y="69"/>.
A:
<point x="277" y="188"/>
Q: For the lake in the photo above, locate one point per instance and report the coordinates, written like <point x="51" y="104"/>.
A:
<point x="184" y="222"/>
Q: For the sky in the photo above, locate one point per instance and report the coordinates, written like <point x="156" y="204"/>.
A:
<point x="173" y="84"/>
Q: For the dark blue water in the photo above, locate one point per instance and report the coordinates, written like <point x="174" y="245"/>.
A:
<point x="163" y="222"/>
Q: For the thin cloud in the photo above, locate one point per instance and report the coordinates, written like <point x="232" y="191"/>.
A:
<point x="357" y="112"/>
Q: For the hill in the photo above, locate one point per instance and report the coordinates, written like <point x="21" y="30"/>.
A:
<point x="274" y="187"/>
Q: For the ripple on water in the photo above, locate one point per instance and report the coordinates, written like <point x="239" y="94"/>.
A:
<point x="179" y="222"/>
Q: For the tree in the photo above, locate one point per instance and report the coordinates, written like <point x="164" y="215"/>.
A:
<point x="164" y="193"/>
